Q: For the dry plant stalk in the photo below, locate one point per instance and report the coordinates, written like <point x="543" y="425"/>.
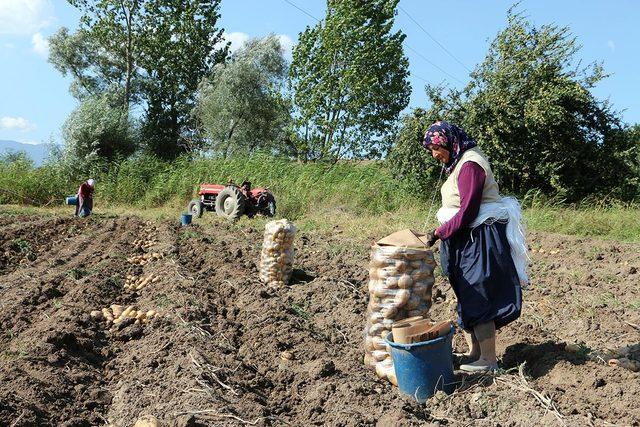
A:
<point x="204" y="370"/>
<point x="519" y="382"/>
<point x="215" y="413"/>
<point x="204" y="333"/>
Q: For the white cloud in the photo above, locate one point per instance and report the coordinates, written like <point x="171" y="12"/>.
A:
<point x="40" y="44"/>
<point x="16" y="123"/>
<point x="238" y="39"/>
<point x="287" y="44"/>
<point x="32" y="142"/>
<point x="611" y="45"/>
<point x="24" y="17"/>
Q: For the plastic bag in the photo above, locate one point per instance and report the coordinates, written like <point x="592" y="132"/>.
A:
<point x="276" y="260"/>
<point x="400" y="284"/>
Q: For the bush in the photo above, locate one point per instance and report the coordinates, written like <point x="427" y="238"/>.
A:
<point x="98" y="132"/>
<point x="146" y="181"/>
<point x="532" y="112"/>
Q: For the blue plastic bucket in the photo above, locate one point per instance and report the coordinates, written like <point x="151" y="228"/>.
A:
<point x="423" y="368"/>
<point x="185" y="219"/>
<point x="72" y="200"/>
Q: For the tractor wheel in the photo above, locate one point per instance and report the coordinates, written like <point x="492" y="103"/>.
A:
<point x="270" y="210"/>
<point x="230" y="203"/>
<point x="195" y="208"/>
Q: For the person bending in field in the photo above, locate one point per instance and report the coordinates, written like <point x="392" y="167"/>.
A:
<point x="483" y="250"/>
<point x="85" y="198"/>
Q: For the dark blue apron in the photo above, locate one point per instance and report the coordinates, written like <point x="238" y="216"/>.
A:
<point x="482" y="274"/>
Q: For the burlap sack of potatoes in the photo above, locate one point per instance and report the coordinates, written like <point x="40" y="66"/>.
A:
<point x="400" y="282"/>
<point x="276" y="260"/>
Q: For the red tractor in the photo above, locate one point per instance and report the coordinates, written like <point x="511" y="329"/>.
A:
<point x="232" y="200"/>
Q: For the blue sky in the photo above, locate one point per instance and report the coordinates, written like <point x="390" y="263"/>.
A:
<point x="34" y="97"/>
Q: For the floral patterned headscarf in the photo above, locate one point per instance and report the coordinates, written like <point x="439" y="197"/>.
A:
<point x="451" y="137"/>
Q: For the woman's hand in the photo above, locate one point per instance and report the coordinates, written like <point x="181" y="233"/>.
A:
<point x="432" y="238"/>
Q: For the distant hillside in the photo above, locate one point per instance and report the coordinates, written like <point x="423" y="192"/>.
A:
<point x="38" y="152"/>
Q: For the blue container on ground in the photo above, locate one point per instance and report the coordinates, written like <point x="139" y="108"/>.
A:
<point x="425" y="367"/>
<point x="72" y="200"/>
<point x="185" y="219"/>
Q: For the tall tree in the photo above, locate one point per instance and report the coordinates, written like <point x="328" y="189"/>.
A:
<point x="408" y="159"/>
<point x="182" y="45"/>
<point x="349" y="76"/>
<point x="93" y="69"/>
<point x="98" y="131"/>
<point x="530" y="107"/>
<point x="153" y="52"/>
<point x="102" y="52"/>
<point x="620" y="156"/>
<point x="241" y="106"/>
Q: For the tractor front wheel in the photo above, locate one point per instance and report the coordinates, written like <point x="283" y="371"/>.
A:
<point x="270" y="211"/>
<point x="195" y="208"/>
<point x="230" y="203"/>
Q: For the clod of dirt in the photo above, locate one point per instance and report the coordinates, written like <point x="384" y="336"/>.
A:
<point x="147" y="421"/>
<point x="132" y="332"/>
<point x="103" y="397"/>
<point x="321" y="369"/>
<point x="123" y="324"/>
<point x="186" y="421"/>
<point x="287" y="355"/>
<point x="572" y="348"/>
<point x="477" y="406"/>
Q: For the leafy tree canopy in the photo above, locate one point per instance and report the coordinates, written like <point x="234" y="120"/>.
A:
<point x="530" y="107"/>
<point x="241" y="105"/>
<point x="349" y="76"/>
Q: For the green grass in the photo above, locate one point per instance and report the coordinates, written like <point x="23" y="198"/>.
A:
<point x="358" y="200"/>
<point x="614" y="223"/>
<point x="149" y="182"/>
<point x="78" y="272"/>
<point x="299" y="188"/>
<point x="301" y="312"/>
<point x="24" y="248"/>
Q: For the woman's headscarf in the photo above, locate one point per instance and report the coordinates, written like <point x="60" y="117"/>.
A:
<point x="451" y="137"/>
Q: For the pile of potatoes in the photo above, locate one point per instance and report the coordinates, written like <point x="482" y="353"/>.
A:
<point x="149" y="227"/>
<point x="276" y="262"/>
<point x="139" y="282"/>
<point x="143" y="259"/>
<point x="400" y="284"/>
<point x="144" y="243"/>
<point x="117" y="313"/>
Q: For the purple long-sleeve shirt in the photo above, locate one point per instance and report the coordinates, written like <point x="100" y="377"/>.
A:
<point x="470" y="185"/>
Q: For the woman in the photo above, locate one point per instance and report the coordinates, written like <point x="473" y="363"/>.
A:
<point x="85" y="198"/>
<point x="483" y="250"/>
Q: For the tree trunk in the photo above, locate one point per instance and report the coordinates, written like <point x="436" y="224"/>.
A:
<point x="128" y="14"/>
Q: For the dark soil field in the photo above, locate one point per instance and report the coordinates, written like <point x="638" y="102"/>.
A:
<point x="226" y="350"/>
